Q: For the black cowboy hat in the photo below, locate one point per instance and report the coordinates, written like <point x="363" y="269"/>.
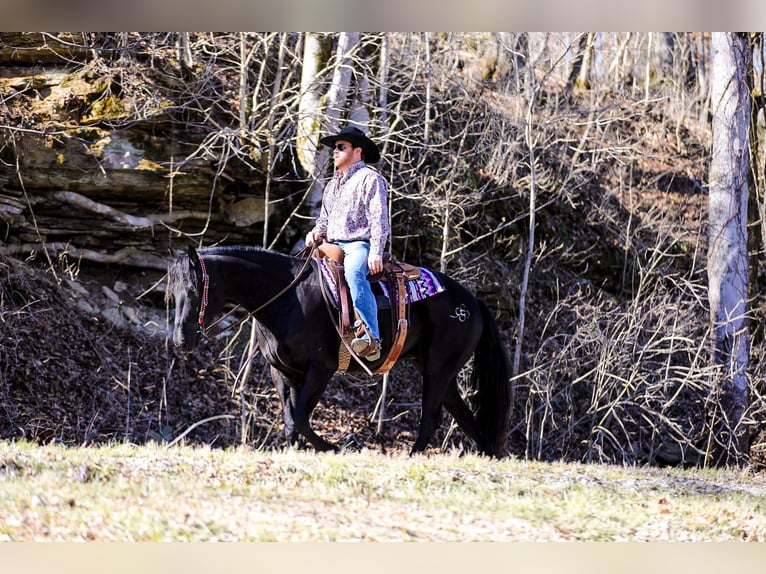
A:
<point x="358" y="139"/>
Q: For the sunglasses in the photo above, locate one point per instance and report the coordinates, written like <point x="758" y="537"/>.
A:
<point x="341" y="147"/>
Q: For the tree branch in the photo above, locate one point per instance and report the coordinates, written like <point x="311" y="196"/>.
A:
<point x="126" y="256"/>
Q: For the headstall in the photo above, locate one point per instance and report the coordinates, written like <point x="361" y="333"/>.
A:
<point x="205" y="290"/>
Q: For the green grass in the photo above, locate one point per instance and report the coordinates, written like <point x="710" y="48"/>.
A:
<point x="152" y="493"/>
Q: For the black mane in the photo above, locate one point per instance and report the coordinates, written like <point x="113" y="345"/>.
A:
<point x="181" y="275"/>
<point x="247" y="252"/>
<point x="231" y="250"/>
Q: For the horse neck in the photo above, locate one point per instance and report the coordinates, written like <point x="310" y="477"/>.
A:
<point x="251" y="281"/>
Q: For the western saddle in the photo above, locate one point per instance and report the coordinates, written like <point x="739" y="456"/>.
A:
<point x="394" y="274"/>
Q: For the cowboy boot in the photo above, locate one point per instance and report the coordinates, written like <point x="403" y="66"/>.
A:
<point x="360" y="344"/>
<point x="361" y="337"/>
<point x="372" y="351"/>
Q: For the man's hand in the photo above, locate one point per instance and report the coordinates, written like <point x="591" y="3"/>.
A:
<point x="375" y="264"/>
<point x="312" y="238"/>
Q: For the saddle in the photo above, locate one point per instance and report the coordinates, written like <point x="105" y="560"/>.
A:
<point x="395" y="274"/>
<point x="335" y="254"/>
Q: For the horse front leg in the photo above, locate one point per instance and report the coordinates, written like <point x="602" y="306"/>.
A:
<point x="299" y="395"/>
<point x="307" y="396"/>
<point x="286" y="396"/>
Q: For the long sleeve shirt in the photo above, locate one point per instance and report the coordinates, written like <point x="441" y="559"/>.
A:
<point x="355" y="207"/>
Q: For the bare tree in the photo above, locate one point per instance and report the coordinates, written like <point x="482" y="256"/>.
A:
<point x="757" y="201"/>
<point x="309" y="108"/>
<point x="728" y="268"/>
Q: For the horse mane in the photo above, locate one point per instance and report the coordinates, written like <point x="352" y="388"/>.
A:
<point x="182" y="276"/>
<point x="228" y="249"/>
<point x="252" y="254"/>
<point x="242" y="251"/>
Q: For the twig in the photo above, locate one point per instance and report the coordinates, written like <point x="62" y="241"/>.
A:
<point x="381" y="404"/>
<point x="195" y="425"/>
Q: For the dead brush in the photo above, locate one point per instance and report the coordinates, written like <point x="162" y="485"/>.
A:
<point x="624" y="382"/>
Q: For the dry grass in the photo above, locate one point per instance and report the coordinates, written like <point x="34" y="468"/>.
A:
<point x="152" y="493"/>
<point x="624" y="381"/>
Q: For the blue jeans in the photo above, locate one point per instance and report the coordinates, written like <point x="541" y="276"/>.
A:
<point x="355" y="254"/>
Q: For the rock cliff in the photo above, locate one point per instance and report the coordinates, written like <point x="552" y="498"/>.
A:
<point x="110" y="158"/>
<point x="109" y="161"/>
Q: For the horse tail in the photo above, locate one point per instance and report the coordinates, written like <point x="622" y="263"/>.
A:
<point x="491" y="376"/>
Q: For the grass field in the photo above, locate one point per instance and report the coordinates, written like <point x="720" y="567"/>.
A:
<point x="154" y="493"/>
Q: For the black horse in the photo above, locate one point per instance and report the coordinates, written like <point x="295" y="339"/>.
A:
<point x="297" y="335"/>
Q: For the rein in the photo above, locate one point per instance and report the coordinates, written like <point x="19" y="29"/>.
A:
<point x="308" y="253"/>
<point x="204" y="299"/>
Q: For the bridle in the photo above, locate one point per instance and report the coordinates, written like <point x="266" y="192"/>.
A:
<point x="203" y="302"/>
<point x="205" y="292"/>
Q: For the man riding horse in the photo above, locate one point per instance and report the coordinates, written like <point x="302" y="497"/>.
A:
<point x="354" y="216"/>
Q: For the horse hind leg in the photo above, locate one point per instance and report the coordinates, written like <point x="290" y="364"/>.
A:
<point x="441" y="360"/>
<point x="428" y="424"/>
<point x="462" y="414"/>
<point x="456" y="407"/>
<point x="460" y="411"/>
<point x="430" y="415"/>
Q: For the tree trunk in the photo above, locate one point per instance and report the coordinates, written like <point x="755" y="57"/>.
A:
<point x="316" y="118"/>
<point x="578" y="76"/>
<point x="383" y="80"/>
<point x="341" y="79"/>
<point x="427" y="123"/>
<point x="728" y="268"/>
<point x="757" y="201"/>
<point x="309" y="107"/>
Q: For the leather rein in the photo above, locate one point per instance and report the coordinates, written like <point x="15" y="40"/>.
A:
<point x="203" y="302"/>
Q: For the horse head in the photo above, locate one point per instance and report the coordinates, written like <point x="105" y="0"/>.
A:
<point x="185" y="280"/>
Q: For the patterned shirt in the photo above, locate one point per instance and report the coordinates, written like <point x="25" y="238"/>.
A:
<point x="355" y="207"/>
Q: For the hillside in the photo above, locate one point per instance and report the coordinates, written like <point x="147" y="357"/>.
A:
<point x="118" y="152"/>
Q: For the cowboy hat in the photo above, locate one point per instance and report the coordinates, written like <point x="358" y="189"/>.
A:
<point x="358" y="139"/>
